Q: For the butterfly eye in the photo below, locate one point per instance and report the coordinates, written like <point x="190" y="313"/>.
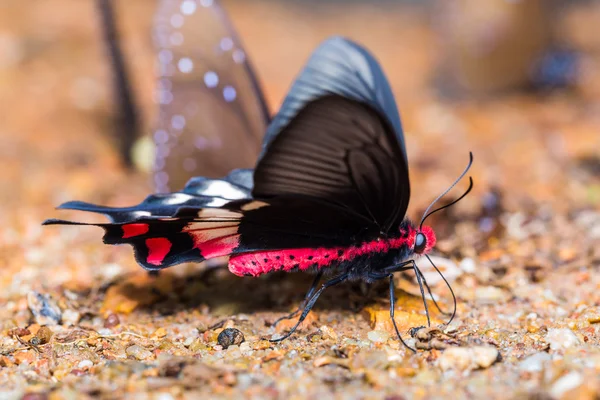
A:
<point x="420" y="243"/>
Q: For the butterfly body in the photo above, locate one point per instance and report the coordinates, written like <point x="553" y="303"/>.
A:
<point x="329" y="193"/>
<point x="365" y="259"/>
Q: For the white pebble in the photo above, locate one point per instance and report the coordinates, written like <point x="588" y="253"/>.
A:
<point x="104" y="332"/>
<point x="164" y="396"/>
<point x="138" y="352"/>
<point x="535" y="362"/>
<point x="490" y="295"/>
<point x="378" y="336"/>
<point x="83" y="364"/>
<point x="245" y="348"/>
<point x="565" y="384"/>
<point x="468" y="358"/>
<point x="70" y="317"/>
<point x="467" y="265"/>
<point x="560" y="339"/>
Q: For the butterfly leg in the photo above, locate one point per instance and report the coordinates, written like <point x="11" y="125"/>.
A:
<point x="403" y="267"/>
<point x="310" y="292"/>
<point x="449" y="288"/>
<point x="392" y="309"/>
<point x="311" y="302"/>
<point x="431" y="295"/>
<point x="420" y="281"/>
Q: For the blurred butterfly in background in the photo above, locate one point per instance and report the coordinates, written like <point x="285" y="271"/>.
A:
<point x="212" y="114"/>
<point x="328" y="195"/>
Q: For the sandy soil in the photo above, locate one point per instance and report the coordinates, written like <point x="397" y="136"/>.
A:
<point x="79" y="319"/>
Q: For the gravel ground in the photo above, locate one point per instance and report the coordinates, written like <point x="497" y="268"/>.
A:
<point x="80" y="320"/>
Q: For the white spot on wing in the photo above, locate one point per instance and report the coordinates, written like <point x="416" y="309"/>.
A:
<point x="185" y="65"/>
<point x="229" y="93"/>
<point x="161" y="136"/>
<point x="178" y="122"/>
<point x="211" y="79"/>
<point x="177" y="198"/>
<point x="217" y="202"/>
<point x="226" y="44"/>
<point x="188" y="7"/>
<point x="177" y="20"/>
<point x="238" y="56"/>
<point x="222" y="189"/>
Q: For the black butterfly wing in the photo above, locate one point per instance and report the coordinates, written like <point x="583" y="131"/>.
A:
<point x="200" y="192"/>
<point x="212" y="114"/>
<point x="239" y="227"/>
<point x="338" y="138"/>
<point x="343" y="67"/>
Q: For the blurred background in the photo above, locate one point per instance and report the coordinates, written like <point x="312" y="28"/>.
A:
<point x="516" y="82"/>
<point x="107" y="101"/>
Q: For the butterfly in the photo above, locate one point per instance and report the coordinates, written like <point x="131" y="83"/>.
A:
<point x="328" y="195"/>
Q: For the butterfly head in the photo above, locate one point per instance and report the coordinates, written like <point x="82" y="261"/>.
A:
<point x="424" y="240"/>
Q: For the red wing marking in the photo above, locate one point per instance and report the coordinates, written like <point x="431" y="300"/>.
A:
<point x="218" y="239"/>
<point x="158" y="248"/>
<point x="263" y="262"/>
<point x="218" y="247"/>
<point x="131" y="230"/>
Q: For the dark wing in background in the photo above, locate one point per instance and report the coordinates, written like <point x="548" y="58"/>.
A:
<point x="200" y="192"/>
<point x="338" y="138"/>
<point x="212" y="114"/>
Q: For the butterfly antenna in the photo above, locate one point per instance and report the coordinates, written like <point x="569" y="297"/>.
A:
<point x="449" y="287"/>
<point x="427" y="213"/>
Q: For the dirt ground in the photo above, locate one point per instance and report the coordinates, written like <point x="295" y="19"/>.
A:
<point x="79" y="319"/>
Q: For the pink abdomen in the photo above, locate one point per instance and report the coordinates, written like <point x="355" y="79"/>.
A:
<point x="262" y="262"/>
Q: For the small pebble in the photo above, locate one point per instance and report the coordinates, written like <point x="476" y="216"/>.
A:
<point x="229" y="337"/>
<point x="111" y="321"/>
<point x="43" y="336"/>
<point x="70" y="317"/>
<point x="378" y="336"/>
<point x="328" y="333"/>
<point x="84" y="364"/>
<point x="535" y="362"/>
<point x="565" y="384"/>
<point x="468" y="358"/>
<point x="44" y="309"/>
<point x="160" y="332"/>
<point x="489" y="294"/>
<point x="560" y="339"/>
<point x="138" y="352"/>
<point x="467" y="265"/>
<point x="591" y="315"/>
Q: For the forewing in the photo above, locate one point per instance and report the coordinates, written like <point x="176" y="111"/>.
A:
<point x="212" y="115"/>
<point x="343" y="67"/>
<point x="342" y="152"/>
